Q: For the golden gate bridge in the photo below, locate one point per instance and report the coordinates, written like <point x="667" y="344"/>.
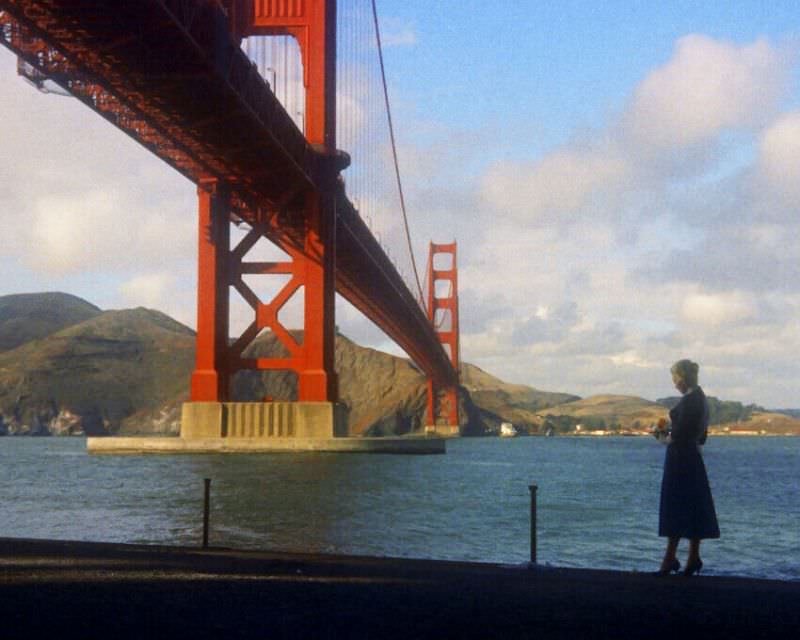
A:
<point x="278" y="111"/>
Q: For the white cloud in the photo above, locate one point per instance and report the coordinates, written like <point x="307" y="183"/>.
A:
<point x="717" y="309"/>
<point x="655" y="227"/>
<point x="667" y="133"/>
<point x="71" y="231"/>
<point x="166" y="291"/>
<point x="632" y="358"/>
<point x="555" y="187"/>
<point x="397" y="33"/>
<point x="81" y="197"/>
<point x="74" y="231"/>
<point x="778" y="166"/>
<point x="148" y="290"/>
<point x="706" y="87"/>
<point x="546" y="324"/>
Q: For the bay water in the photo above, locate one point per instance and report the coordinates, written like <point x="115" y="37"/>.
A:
<point x="597" y="501"/>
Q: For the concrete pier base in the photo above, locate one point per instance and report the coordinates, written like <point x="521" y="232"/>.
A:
<point x="260" y="427"/>
<point x="443" y="430"/>
<point x="140" y="446"/>
<point x="263" y="420"/>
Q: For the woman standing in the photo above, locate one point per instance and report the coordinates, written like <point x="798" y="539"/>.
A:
<point x="687" y="508"/>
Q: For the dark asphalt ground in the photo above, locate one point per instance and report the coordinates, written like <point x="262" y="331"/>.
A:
<point x="88" y="590"/>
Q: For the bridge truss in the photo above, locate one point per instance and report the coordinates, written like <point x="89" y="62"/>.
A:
<point x="171" y="74"/>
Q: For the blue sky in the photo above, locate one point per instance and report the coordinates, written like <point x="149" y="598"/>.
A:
<point x="565" y="64"/>
<point x="622" y="179"/>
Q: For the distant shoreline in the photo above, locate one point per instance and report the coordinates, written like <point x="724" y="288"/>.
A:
<point x="727" y="434"/>
<point x="639" y="434"/>
<point x="571" y="434"/>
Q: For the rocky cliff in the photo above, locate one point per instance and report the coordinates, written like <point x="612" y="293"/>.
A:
<point x="89" y="377"/>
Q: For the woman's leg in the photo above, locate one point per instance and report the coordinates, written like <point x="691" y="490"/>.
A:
<point x="693" y="562"/>
<point x="694" y="552"/>
<point x="670" y="555"/>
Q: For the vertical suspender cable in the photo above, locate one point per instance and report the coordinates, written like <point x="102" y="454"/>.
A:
<point x="394" y="153"/>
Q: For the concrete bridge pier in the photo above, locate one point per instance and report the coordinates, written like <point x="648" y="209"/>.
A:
<point x="263" y="420"/>
<point x="443" y="430"/>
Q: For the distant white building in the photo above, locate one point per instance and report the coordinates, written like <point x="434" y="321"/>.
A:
<point x="507" y="430"/>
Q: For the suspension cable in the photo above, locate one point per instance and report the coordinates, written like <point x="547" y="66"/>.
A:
<point x="394" y="153"/>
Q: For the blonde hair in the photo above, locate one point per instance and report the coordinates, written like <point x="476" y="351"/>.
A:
<point x="687" y="371"/>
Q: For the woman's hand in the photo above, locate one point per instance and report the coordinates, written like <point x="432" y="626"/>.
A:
<point x="661" y="432"/>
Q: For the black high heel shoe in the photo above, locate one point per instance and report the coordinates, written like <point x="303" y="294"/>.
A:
<point x="673" y="568"/>
<point x="692" y="568"/>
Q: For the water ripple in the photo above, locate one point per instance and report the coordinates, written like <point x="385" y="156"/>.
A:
<point x="597" y="501"/>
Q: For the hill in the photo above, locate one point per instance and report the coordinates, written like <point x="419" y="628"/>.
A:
<point x="629" y="413"/>
<point x="30" y="316"/>
<point x="793" y="413"/>
<point x="720" y="411"/>
<point x="499" y="401"/>
<point x="382" y="394"/>
<point x="604" y="412"/>
<point x="761" y="423"/>
<point x="90" y="376"/>
<point x="128" y="372"/>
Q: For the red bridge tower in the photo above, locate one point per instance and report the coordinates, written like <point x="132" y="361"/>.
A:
<point x="311" y="266"/>
<point x="443" y="314"/>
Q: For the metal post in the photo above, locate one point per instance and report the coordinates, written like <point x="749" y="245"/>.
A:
<point x="206" y="501"/>
<point x="533" y="488"/>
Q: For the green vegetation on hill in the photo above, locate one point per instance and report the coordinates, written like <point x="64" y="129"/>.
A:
<point x="604" y="412"/>
<point x="721" y="411"/>
<point x="30" y="316"/>
<point x="101" y="370"/>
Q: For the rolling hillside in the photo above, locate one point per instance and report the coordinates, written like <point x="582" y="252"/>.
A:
<point x="90" y="376"/>
<point x="128" y="372"/>
<point x="610" y="411"/>
<point x="29" y="316"/>
<point x="500" y="401"/>
<point x="70" y="368"/>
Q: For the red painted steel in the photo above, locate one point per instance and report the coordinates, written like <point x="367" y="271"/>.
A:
<point x="170" y="74"/>
<point x="313" y="24"/>
<point x="443" y="312"/>
<point x="210" y="379"/>
<point x="312" y="267"/>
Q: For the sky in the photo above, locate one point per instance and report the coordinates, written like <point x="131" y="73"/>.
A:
<point x="621" y="178"/>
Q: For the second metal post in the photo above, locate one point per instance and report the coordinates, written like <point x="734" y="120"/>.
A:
<point x="206" y="509"/>
<point x="533" y="488"/>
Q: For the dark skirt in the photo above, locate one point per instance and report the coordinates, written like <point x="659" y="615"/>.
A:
<point x="687" y="508"/>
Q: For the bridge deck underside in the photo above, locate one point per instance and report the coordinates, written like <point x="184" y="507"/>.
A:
<point x="169" y="74"/>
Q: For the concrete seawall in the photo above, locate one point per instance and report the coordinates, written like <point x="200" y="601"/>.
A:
<point x="88" y="590"/>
